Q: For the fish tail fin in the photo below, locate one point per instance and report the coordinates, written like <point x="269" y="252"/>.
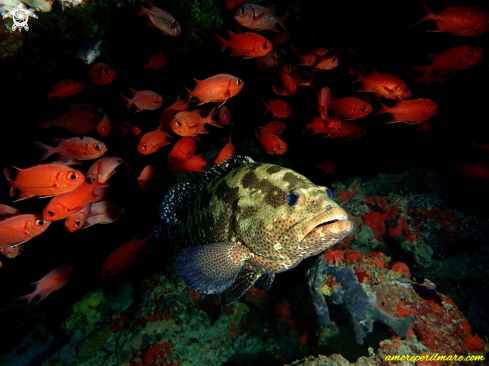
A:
<point x="29" y="297"/>
<point x="266" y="106"/>
<point x="383" y="109"/>
<point x="282" y="20"/>
<point x="142" y="10"/>
<point x="129" y="101"/>
<point x="224" y="43"/>
<point x="49" y="95"/>
<point x="428" y="14"/>
<point x="6" y="172"/>
<point x="190" y="94"/>
<point x="46" y="150"/>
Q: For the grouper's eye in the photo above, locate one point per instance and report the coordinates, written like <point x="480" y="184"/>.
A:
<point x="330" y="193"/>
<point x="292" y="199"/>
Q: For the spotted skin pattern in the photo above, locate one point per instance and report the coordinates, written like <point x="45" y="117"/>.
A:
<point x="254" y="220"/>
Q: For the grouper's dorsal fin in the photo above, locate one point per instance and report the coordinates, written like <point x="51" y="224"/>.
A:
<point x="175" y="203"/>
<point x="219" y="170"/>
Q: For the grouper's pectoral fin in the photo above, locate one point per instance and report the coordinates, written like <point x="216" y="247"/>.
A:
<point x="243" y="282"/>
<point x="212" y="268"/>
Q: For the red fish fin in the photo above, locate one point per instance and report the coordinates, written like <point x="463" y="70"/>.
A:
<point x="224" y="43"/>
<point x="197" y="82"/>
<point x="383" y="109"/>
<point x="282" y="20"/>
<point x="151" y="24"/>
<point x="46" y="150"/>
<point x="6" y="173"/>
<point x="220" y="103"/>
<point x="150" y="3"/>
<point x="123" y="129"/>
<point x="138" y="110"/>
<point x="239" y="31"/>
<point x="266" y="106"/>
<point x="29" y="297"/>
<point x="394" y="120"/>
<point x="204" y="130"/>
<point x="428" y="15"/>
<point x="129" y="101"/>
<point x="133" y="91"/>
<point x="142" y="10"/>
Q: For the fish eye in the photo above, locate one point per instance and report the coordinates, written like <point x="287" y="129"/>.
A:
<point x="406" y="91"/>
<point x="106" y="271"/>
<point x="106" y="71"/>
<point x="104" y="128"/>
<point x="330" y="193"/>
<point x="364" y="109"/>
<point x="349" y="128"/>
<point x="334" y="59"/>
<point x="179" y="123"/>
<point x="242" y="9"/>
<point x="471" y="55"/>
<point x="77" y="223"/>
<point x="74" y="176"/>
<point x="292" y="199"/>
<point x="342" y="123"/>
<point x="280" y="147"/>
<point x="144" y="146"/>
<point x="40" y="222"/>
<point x="97" y="147"/>
<point x="265" y="45"/>
<point x="238" y="81"/>
<point x="100" y="110"/>
<point x="51" y="213"/>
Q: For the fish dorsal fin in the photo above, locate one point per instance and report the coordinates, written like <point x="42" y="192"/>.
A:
<point x="222" y="169"/>
<point x="272" y="9"/>
<point x="175" y="203"/>
<point x="242" y="283"/>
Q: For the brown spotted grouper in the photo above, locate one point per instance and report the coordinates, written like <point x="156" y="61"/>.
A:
<point x="245" y="221"/>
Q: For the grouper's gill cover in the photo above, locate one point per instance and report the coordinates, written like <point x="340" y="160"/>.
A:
<point x="244" y="221"/>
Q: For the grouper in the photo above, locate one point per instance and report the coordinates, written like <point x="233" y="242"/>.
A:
<point x="245" y="221"/>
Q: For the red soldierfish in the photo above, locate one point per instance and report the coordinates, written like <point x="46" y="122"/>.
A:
<point x="161" y="19"/>
<point x="272" y="144"/>
<point x="100" y="74"/>
<point x="53" y="281"/>
<point x="8" y="211"/>
<point x="350" y="108"/>
<point x="453" y="60"/>
<point x="183" y="150"/>
<point x="336" y="127"/>
<point x="21" y="228"/>
<point x="103" y="169"/>
<point x="387" y="86"/>
<point x="225" y="115"/>
<point x="147" y="176"/>
<point x="316" y="126"/>
<point x="469" y="21"/>
<point x="85" y="148"/>
<point x="124" y="256"/>
<point x="170" y="112"/>
<point x="81" y="119"/>
<point x="156" y="62"/>
<point x="278" y="107"/>
<point x="185" y="123"/>
<point x="77" y="220"/>
<point x="194" y="164"/>
<point x="144" y="100"/>
<point x="410" y="111"/>
<point x="259" y="17"/>
<point x="324" y="99"/>
<point x="246" y="44"/>
<point x="288" y="83"/>
<point x="65" y="88"/>
<point x="217" y="88"/>
<point x="226" y="152"/>
<point x="44" y="180"/>
<point x="66" y="204"/>
<point x="153" y="141"/>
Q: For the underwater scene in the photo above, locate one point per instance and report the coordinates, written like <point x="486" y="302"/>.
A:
<point x="224" y="182"/>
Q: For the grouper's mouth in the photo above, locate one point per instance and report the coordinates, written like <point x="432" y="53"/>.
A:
<point x="321" y="231"/>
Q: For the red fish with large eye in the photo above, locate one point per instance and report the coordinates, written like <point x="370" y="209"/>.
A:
<point x="385" y="85"/>
<point x="170" y="112"/>
<point x="410" y="111"/>
<point x="288" y="83"/>
<point x="53" y="281"/>
<point x="183" y="150"/>
<point x="195" y="164"/>
<point x="350" y="108"/>
<point x="65" y="88"/>
<point x="44" y="180"/>
<point x="66" y="204"/>
<point x="153" y="141"/>
<point x="315" y="127"/>
<point x="161" y="19"/>
<point x="217" y="88"/>
<point x="100" y="74"/>
<point x="278" y="107"/>
<point x="453" y="60"/>
<point x="247" y="44"/>
<point x="124" y="256"/>
<point x="272" y="144"/>
<point x="21" y="228"/>
<point x="147" y="176"/>
<point x="259" y="17"/>
<point x="144" y="100"/>
<point x="85" y="148"/>
<point x="77" y="220"/>
<point x="469" y="21"/>
<point x="103" y="169"/>
<point x="188" y="123"/>
<point x="336" y="127"/>
<point x="225" y="115"/>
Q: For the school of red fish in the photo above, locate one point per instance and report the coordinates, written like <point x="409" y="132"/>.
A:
<point x="80" y="198"/>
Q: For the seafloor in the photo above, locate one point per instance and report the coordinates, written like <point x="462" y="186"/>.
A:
<point x="420" y="244"/>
